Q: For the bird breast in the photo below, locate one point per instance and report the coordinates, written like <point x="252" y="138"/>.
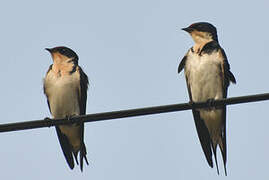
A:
<point x="204" y="76"/>
<point x="62" y="93"/>
<point x="205" y="81"/>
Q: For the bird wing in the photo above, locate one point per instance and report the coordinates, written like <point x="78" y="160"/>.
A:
<point x="83" y="91"/>
<point x="66" y="147"/>
<point x="82" y="106"/>
<point x="44" y="87"/>
<point x="227" y="76"/>
<point x="182" y="64"/>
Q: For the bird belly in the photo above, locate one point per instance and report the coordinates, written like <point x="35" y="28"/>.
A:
<point x="205" y="81"/>
<point x="63" y="98"/>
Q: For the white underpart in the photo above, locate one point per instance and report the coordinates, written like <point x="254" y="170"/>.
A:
<point x="63" y="97"/>
<point x="204" y="76"/>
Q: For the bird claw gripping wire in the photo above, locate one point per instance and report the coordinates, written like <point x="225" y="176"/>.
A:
<point x="47" y="119"/>
<point x="211" y="103"/>
<point x="71" y="118"/>
<point x="191" y="103"/>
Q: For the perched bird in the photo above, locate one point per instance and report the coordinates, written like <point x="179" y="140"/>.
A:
<point x="208" y="76"/>
<point x="65" y="87"/>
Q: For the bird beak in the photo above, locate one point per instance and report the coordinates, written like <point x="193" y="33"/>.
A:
<point x="48" y="49"/>
<point x="187" y="29"/>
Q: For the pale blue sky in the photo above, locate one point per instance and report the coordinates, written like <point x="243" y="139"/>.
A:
<point x="130" y="51"/>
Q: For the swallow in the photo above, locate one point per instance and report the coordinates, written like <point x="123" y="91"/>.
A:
<point x="65" y="86"/>
<point x="208" y="76"/>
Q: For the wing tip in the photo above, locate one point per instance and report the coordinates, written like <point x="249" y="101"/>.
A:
<point x="83" y="154"/>
<point x="71" y="165"/>
<point x="65" y="146"/>
<point x="204" y="137"/>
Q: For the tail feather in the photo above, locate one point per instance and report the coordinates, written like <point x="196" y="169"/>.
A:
<point x="82" y="155"/>
<point x="76" y="156"/>
<point x="223" y="153"/>
<point x="222" y="145"/>
<point x="214" y="146"/>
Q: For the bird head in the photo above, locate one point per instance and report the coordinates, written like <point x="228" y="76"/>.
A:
<point x="63" y="54"/>
<point x="202" y="31"/>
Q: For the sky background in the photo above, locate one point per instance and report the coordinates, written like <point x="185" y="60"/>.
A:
<point x="130" y="51"/>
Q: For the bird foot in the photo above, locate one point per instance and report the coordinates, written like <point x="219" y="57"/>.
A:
<point x="211" y="103"/>
<point x="191" y="103"/>
<point x="70" y="118"/>
<point x="46" y="118"/>
<point x="48" y="121"/>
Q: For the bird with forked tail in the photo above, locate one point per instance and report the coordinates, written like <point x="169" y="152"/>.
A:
<point x="65" y="87"/>
<point x="208" y="76"/>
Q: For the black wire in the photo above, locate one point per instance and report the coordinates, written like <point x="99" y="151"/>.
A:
<point x="130" y="113"/>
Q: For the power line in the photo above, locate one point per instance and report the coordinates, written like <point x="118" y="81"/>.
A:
<point x="130" y="113"/>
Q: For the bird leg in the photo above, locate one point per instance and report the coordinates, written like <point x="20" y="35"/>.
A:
<point x="70" y="118"/>
<point x="191" y="102"/>
<point x="48" y="121"/>
<point x="211" y="103"/>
